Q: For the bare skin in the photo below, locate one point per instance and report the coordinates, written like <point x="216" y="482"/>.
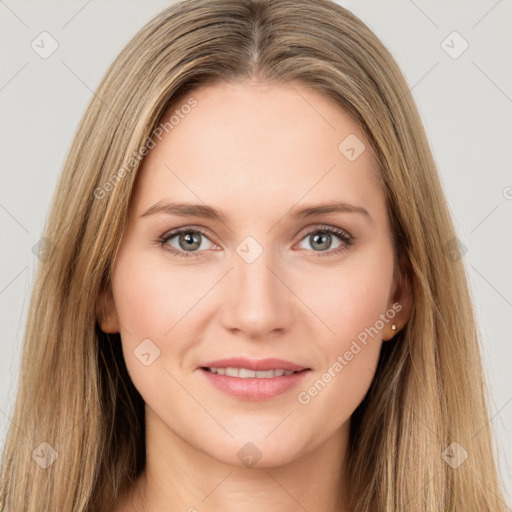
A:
<point x="254" y="152"/>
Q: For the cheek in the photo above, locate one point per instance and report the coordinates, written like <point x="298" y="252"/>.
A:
<point x="152" y="298"/>
<point x="161" y="302"/>
<point x="352" y="311"/>
<point x="352" y="302"/>
<point x="351" y="297"/>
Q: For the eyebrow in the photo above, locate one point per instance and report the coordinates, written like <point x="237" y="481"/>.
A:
<point x="209" y="212"/>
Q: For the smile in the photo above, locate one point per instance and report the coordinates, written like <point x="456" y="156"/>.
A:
<point x="246" y="373"/>
<point x="253" y="385"/>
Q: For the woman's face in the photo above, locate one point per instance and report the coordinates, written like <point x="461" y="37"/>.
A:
<point x="258" y="281"/>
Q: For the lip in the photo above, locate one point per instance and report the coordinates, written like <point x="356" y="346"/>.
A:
<point x="253" y="388"/>
<point x="254" y="364"/>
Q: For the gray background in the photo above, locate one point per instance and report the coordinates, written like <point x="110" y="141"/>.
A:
<point x="465" y="103"/>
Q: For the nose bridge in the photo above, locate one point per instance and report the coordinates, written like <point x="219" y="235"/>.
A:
<point x="254" y="278"/>
<point x="259" y="301"/>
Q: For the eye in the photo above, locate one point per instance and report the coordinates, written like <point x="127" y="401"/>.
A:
<point x="191" y="242"/>
<point x="321" y="237"/>
<point x="188" y="241"/>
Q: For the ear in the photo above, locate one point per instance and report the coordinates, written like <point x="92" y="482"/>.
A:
<point x="106" y="312"/>
<point x="401" y="297"/>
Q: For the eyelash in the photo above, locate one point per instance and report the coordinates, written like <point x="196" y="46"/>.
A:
<point x="347" y="240"/>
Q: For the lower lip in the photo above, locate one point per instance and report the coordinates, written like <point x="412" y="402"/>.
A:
<point x="253" y="388"/>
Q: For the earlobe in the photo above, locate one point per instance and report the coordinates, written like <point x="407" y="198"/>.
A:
<point x="106" y="313"/>
<point x="401" y="301"/>
<point x="391" y="330"/>
<point x="109" y="326"/>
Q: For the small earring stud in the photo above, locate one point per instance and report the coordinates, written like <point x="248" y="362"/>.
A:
<point x="393" y="327"/>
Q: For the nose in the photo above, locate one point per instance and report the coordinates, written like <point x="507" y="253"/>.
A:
<point x="258" y="301"/>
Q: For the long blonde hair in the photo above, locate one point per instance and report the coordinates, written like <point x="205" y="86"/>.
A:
<point x="74" y="390"/>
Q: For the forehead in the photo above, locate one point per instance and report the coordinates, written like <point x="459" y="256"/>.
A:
<point x="250" y="145"/>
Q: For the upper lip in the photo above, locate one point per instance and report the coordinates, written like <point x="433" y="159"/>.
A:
<point x="254" y="364"/>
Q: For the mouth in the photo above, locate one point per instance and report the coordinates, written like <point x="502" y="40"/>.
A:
<point x="248" y="379"/>
<point x="247" y="373"/>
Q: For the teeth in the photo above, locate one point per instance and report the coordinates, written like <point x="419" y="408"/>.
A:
<point x="245" y="373"/>
<point x="232" y="372"/>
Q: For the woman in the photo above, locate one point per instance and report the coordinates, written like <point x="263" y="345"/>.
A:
<point x="252" y="299"/>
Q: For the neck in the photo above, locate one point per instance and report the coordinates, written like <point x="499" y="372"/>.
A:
<point x="178" y="476"/>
